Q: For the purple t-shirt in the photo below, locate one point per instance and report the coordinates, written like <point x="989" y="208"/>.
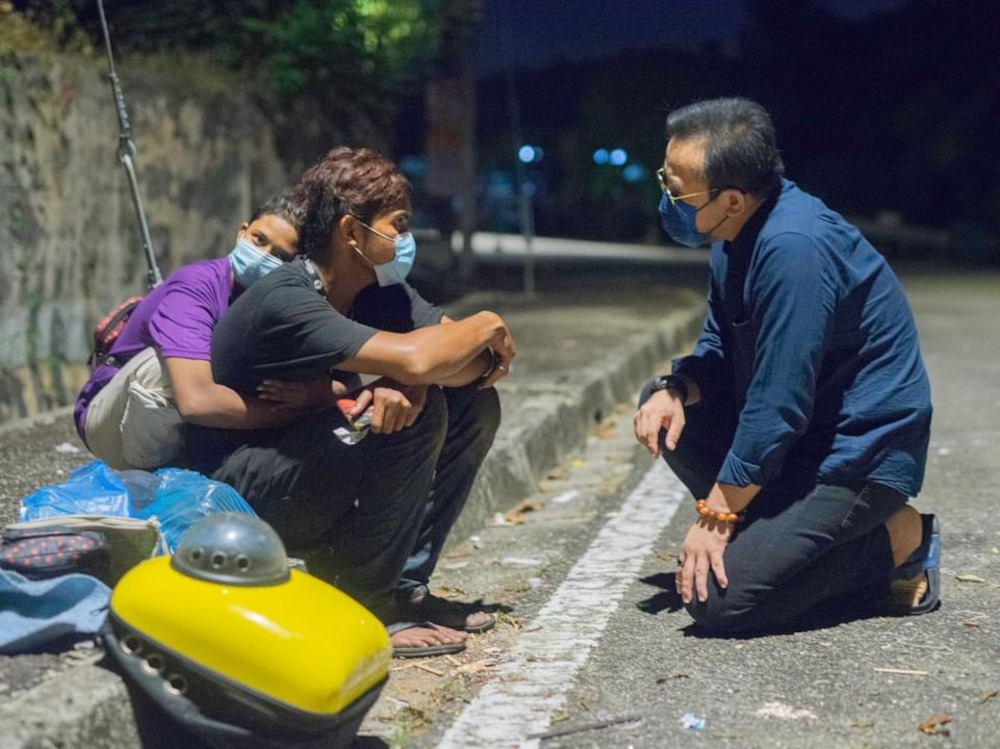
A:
<point x="177" y="317"/>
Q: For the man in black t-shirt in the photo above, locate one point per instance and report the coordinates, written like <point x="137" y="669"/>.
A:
<point x="371" y="517"/>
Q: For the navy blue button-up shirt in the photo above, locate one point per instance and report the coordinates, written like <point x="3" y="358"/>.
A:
<point x="810" y="336"/>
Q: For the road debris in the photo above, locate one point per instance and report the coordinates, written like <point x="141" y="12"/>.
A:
<point x="692" y="722"/>
<point x="561" y="499"/>
<point x="521" y="562"/>
<point x="515" y="515"/>
<point x="989" y="695"/>
<point x="863" y="724"/>
<point x="445" y="592"/>
<point x="934" y="725"/>
<point x="784" y="712"/>
<point x="428" y="669"/>
<point x="670" y="677"/>
<point x="901" y="671"/>
<point x="66" y="448"/>
<point x="476" y="667"/>
<point x="971" y="623"/>
<point x="515" y="621"/>
<point x="597" y="725"/>
<point x="966" y="578"/>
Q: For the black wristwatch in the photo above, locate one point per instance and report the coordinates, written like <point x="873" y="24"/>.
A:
<point x="671" y="382"/>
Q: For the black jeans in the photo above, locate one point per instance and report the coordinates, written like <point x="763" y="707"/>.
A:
<point x="802" y="542"/>
<point x="362" y="514"/>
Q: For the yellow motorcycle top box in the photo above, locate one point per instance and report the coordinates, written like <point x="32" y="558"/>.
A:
<point x="300" y="642"/>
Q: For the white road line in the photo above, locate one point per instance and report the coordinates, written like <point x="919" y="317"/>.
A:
<point x="533" y="685"/>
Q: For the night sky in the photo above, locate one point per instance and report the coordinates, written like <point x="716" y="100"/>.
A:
<point x="542" y="31"/>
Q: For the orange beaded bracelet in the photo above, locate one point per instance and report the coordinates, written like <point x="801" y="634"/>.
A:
<point x="705" y="511"/>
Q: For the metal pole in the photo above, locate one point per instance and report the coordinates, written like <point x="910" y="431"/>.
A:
<point x="526" y="208"/>
<point x="126" y="154"/>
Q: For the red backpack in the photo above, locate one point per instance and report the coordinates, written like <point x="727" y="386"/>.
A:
<point x="106" y="332"/>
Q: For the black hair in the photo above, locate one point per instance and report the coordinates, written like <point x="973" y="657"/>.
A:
<point x="740" y="146"/>
<point x="347" y="181"/>
<point x="287" y="205"/>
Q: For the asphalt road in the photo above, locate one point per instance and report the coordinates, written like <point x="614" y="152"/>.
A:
<point x="836" y="683"/>
<point x="825" y="686"/>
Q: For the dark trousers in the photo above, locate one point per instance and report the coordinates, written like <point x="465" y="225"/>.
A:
<point x="802" y="542"/>
<point x="362" y="514"/>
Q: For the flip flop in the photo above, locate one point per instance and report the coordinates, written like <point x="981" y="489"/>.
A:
<point x="451" y="614"/>
<point x="421" y="651"/>
<point x="926" y="559"/>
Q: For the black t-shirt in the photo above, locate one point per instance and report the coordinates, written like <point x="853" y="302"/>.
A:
<point x="282" y="327"/>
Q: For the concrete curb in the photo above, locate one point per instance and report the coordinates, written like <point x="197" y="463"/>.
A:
<point x="83" y="706"/>
<point x="561" y="414"/>
<point x="89" y="706"/>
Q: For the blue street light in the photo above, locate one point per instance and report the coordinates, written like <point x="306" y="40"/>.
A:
<point x="526" y="154"/>
<point x="601" y="156"/>
<point x="619" y="156"/>
<point x="634" y="173"/>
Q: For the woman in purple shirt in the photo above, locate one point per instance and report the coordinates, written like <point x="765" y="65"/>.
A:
<point x="131" y="413"/>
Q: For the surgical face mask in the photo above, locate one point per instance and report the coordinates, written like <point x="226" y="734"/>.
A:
<point x="249" y="263"/>
<point x="396" y="270"/>
<point x="678" y="219"/>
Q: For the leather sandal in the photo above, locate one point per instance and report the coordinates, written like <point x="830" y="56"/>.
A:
<point x="926" y="559"/>
<point x="447" y="613"/>
<point x="421" y="651"/>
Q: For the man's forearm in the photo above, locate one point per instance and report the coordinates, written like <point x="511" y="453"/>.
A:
<point x="729" y="498"/>
<point x="451" y="354"/>
<point x="471" y="372"/>
<point x="223" y="408"/>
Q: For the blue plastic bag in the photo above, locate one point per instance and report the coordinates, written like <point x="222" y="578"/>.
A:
<point x="93" y="489"/>
<point x="184" y="497"/>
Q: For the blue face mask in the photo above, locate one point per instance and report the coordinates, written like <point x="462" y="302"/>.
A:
<point x="396" y="270"/>
<point x="249" y="263"/>
<point x="678" y="218"/>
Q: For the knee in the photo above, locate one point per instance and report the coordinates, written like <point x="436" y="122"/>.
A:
<point x="433" y="419"/>
<point x="723" y="612"/>
<point x="485" y="413"/>
<point x="474" y="412"/>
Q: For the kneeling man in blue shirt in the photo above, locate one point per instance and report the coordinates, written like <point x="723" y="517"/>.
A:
<point x="801" y="420"/>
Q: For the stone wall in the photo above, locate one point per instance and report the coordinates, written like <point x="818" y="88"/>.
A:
<point x="69" y="249"/>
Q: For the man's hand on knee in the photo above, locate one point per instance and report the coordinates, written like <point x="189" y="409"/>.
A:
<point x="702" y="552"/>
<point x="663" y="410"/>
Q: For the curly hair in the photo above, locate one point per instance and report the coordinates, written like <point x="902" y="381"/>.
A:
<point x="346" y="182"/>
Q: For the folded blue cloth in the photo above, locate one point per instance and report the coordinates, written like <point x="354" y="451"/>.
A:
<point x="33" y="613"/>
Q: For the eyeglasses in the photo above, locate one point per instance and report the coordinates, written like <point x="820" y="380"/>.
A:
<point x="661" y="178"/>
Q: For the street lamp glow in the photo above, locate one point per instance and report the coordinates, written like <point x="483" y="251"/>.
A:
<point x="633" y="173"/>
<point x="601" y="156"/>
<point x="526" y="154"/>
<point x="619" y="156"/>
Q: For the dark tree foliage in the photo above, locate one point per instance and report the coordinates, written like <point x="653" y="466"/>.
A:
<point x="353" y="57"/>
